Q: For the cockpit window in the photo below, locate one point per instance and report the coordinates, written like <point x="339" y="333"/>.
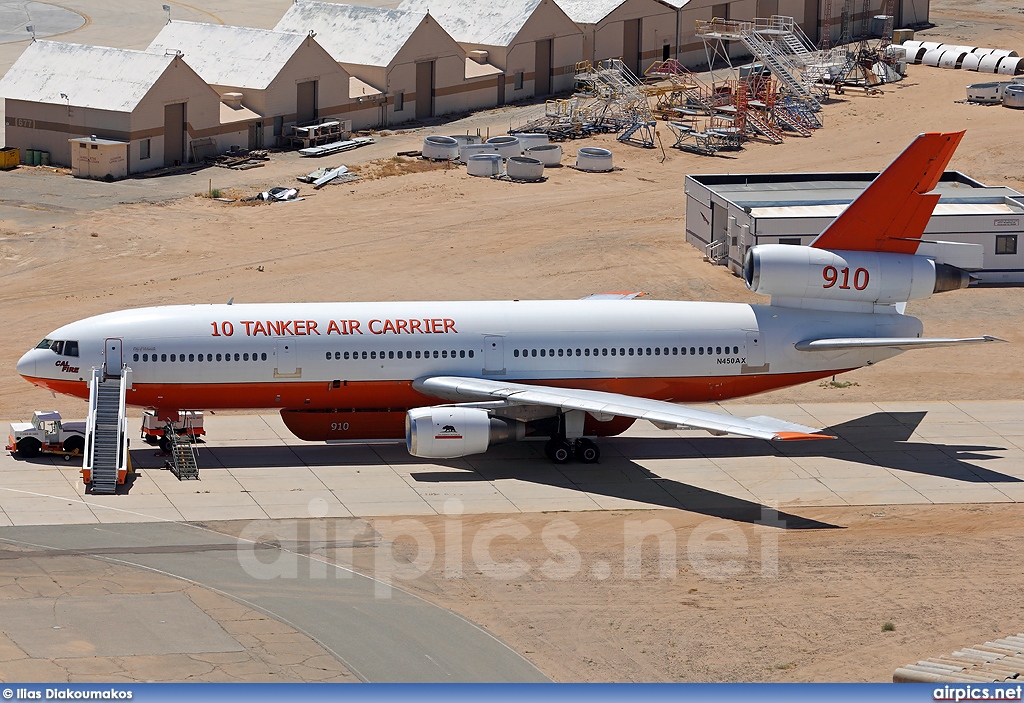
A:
<point x="45" y="344"/>
<point x="71" y="348"/>
<point x="58" y="348"/>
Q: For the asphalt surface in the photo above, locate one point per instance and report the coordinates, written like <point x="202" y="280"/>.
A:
<point x="398" y="638"/>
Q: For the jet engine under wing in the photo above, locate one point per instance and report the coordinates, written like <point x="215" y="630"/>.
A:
<point x="606" y="405"/>
<point x="847" y="343"/>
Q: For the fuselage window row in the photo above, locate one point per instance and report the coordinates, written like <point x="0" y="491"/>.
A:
<point x="442" y="354"/>
<point x="625" y="351"/>
<point x="244" y="356"/>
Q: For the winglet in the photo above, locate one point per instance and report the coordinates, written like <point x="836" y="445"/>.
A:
<point x="800" y="436"/>
<point x="891" y="214"/>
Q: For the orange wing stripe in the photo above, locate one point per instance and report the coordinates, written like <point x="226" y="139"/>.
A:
<point x="800" y="436"/>
<point x="891" y="214"/>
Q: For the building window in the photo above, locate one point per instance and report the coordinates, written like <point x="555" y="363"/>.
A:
<point x="144" y="149"/>
<point x="792" y="241"/>
<point x="1006" y="243"/>
<point x="399" y="102"/>
<point x="517" y="80"/>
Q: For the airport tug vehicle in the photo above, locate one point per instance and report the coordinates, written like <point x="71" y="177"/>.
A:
<point x="47" y="434"/>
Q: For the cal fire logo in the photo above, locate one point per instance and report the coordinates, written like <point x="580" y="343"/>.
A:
<point x="65" y="367"/>
<point x="448" y="432"/>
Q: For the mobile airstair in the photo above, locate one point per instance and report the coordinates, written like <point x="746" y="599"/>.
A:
<point x="106" y="461"/>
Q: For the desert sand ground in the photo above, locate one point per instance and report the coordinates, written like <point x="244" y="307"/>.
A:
<point x="945" y="576"/>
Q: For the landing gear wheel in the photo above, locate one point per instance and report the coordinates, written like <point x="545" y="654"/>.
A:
<point x="587" y="452"/>
<point x="29" y="448"/>
<point x="558" y="451"/>
<point x="165" y="445"/>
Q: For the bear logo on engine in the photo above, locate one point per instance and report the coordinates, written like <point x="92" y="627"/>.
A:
<point x="449" y="428"/>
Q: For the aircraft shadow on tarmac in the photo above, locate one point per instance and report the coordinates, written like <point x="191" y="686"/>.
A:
<point x="879" y="439"/>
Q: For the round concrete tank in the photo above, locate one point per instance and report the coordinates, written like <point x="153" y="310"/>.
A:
<point x="929" y="45"/>
<point x="523" y="168"/>
<point x="971" y="62"/>
<point x="528" y="140"/>
<point x="466" y="139"/>
<point x="547" y="154"/>
<point x="592" y="158"/>
<point x="982" y="51"/>
<point x="486" y="165"/>
<point x="440" y="148"/>
<point x="1004" y="52"/>
<point x="986" y="93"/>
<point x="505" y="145"/>
<point x="1013" y="96"/>
<point x="471" y="149"/>
<point x="1010" y="66"/>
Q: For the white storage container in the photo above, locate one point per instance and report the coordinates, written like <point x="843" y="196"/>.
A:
<point x="486" y="165"/>
<point x="523" y="168"/>
<point x="1010" y="66"/>
<point x="547" y="154"/>
<point x="440" y="148"/>
<point x="506" y="145"/>
<point x="466" y="139"/>
<point x="986" y="93"/>
<point x="592" y="158"/>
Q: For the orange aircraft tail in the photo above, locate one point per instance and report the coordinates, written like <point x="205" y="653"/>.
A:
<point x="892" y="213"/>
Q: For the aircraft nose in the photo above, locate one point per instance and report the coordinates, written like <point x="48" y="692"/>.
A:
<point x="27" y="364"/>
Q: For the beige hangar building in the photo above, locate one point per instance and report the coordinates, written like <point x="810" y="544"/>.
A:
<point x="533" y="42"/>
<point x="404" y="62"/>
<point x="268" y="81"/>
<point x="153" y="103"/>
<point x="639" y="32"/>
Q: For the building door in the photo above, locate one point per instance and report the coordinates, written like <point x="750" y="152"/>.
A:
<point x="501" y="90"/>
<point x="812" y="11"/>
<point x="305" y="102"/>
<point x="424" y="90"/>
<point x="631" y="45"/>
<point x="112" y="357"/>
<point x="719" y="230"/>
<point x="174" y="134"/>
<point x="494" y="354"/>
<point x="256" y="135"/>
<point x="767" y="8"/>
<point x="542" y="68"/>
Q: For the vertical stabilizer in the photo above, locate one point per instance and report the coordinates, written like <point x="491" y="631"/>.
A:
<point x="892" y="213"/>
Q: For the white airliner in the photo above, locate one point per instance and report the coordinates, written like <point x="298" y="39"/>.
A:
<point x="456" y="377"/>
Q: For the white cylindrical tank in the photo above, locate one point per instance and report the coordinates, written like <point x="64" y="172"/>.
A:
<point x="528" y="140"/>
<point x="1004" y="52"/>
<point x="982" y="51"/>
<point x="506" y="145"/>
<point x="929" y="45"/>
<point x="971" y="62"/>
<point x="523" y="168"/>
<point x="438" y="148"/>
<point x="547" y="154"/>
<point x="487" y="165"/>
<point x="953" y="58"/>
<point x="466" y="139"/>
<point x="932" y="56"/>
<point x="989" y="62"/>
<point x="470" y="149"/>
<point x="986" y="93"/>
<point x="1010" y="66"/>
<point x="1013" y="96"/>
<point x="592" y="158"/>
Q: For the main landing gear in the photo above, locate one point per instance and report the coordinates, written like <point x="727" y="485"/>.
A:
<point x="561" y="451"/>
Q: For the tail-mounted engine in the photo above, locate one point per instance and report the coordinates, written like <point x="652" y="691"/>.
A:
<point x="786" y="271"/>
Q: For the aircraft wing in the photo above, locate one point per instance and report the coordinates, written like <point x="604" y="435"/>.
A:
<point x="607" y="405"/>
<point x="846" y="343"/>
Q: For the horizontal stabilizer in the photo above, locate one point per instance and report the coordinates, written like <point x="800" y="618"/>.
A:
<point x="847" y="343"/>
<point x="601" y="404"/>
